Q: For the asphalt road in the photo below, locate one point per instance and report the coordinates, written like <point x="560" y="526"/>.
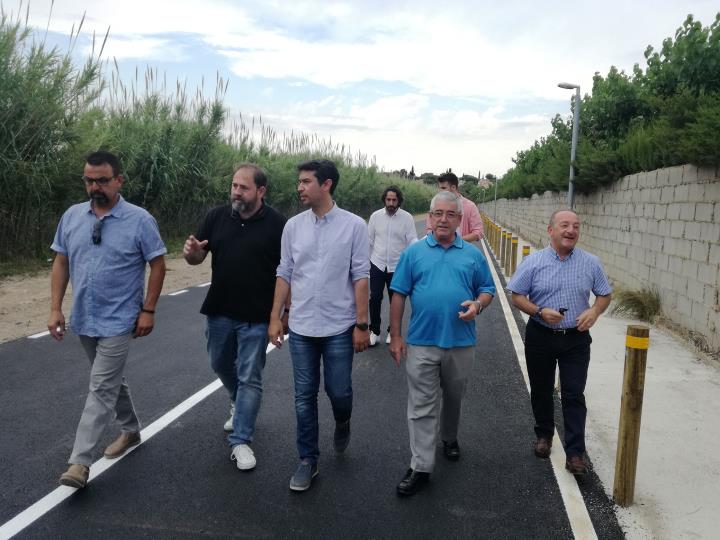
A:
<point x="182" y="484"/>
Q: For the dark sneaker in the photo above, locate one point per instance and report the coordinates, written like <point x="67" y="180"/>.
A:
<point x="341" y="439"/>
<point x="576" y="465"/>
<point x="76" y="476"/>
<point x="412" y="482"/>
<point x="451" y="450"/>
<point x="542" y="447"/>
<point x="303" y="477"/>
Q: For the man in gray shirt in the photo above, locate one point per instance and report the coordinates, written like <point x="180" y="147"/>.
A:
<point x="324" y="259"/>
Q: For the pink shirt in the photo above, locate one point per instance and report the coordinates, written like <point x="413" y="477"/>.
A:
<point x="470" y="223"/>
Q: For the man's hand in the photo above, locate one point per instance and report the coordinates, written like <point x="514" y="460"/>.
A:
<point x="551" y="316"/>
<point x="194" y="250"/>
<point x="397" y="348"/>
<point x="56" y="324"/>
<point x="276" y="333"/>
<point x="471" y="310"/>
<point x="586" y="319"/>
<point x="144" y="325"/>
<point x="361" y="339"/>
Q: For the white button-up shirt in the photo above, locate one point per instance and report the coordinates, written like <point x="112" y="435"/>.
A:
<point x="389" y="236"/>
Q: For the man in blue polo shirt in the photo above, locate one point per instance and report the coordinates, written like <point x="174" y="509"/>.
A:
<point x="553" y="286"/>
<point x="102" y="246"/>
<point x="449" y="283"/>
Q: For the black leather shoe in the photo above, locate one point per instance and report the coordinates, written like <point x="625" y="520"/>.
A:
<point x="542" y="447"/>
<point x="451" y="450"/>
<point x="342" y="436"/>
<point x="412" y="482"/>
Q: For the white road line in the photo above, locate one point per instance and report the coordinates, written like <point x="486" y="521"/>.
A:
<point x="178" y="292"/>
<point x="575" y="507"/>
<point x="40" y="334"/>
<point x="204" y="284"/>
<point x="54" y="498"/>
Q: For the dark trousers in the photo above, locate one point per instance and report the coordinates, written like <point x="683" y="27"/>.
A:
<point x="379" y="280"/>
<point x="571" y="353"/>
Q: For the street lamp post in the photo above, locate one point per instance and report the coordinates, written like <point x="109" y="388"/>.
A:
<point x="573" y="145"/>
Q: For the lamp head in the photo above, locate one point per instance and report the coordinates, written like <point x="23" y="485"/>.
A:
<point x="568" y="86"/>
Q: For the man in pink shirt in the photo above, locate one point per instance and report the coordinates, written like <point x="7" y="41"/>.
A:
<point x="471" y="227"/>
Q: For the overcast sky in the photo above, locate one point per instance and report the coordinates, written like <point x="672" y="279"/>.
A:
<point x="461" y="84"/>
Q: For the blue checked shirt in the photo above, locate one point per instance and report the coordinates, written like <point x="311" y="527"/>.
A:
<point x="107" y="278"/>
<point x="551" y="282"/>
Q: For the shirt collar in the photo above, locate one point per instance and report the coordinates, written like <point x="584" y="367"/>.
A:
<point x="430" y="239"/>
<point x="329" y="216"/>
<point x="556" y="256"/>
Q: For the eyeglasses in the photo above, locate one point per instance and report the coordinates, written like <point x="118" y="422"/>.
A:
<point x="102" y="181"/>
<point x="97" y="231"/>
<point x="439" y="214"/>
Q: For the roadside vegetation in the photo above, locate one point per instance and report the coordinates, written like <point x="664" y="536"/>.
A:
<point x="666" y="114"/>
<point x="177" y="146"/>
<point x="643" y="304"/>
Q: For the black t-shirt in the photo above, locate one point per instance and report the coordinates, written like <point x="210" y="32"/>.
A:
<point x="245" y="256"/>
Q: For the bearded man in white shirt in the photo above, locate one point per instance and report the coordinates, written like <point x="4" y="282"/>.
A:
<point x="391" y="231"/>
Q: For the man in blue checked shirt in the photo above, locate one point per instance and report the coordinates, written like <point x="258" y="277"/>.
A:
<point x="553" y="286"/>
<point x="102" y="246"/>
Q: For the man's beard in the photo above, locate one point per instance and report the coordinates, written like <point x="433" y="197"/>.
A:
<point x="391" y="209"/>
<point x="100" y="199"/>
<point x="239" y="206"/>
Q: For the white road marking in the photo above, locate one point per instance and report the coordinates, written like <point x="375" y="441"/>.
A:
<point x="204" y="284"/>
<point x="178" y="292"/>
<point x="40" y="334"/>
<point x="54" y="498"/>
<point x="575" y="507"/>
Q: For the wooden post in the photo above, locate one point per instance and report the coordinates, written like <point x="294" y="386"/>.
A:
<point x="501" y="258"/>
<point x="508" y="242"/>
<point x="513" y="255"/>
<point x="636" y="346"/>
<point x="526" y="251"/>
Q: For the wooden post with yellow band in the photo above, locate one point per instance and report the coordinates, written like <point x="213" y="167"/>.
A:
<point x="501" y="258"/>
<point x="525" y="251"/>
<point x="508" y="241"/>
<point x="636" y="346"/>
<point x="513" y="255"/>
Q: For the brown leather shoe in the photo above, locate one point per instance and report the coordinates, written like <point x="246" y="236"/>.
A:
<point x="76" y="476"/>
<point x="542" y="447"/>
<point x="576" y="465"/>
<point x="121" y="444"/>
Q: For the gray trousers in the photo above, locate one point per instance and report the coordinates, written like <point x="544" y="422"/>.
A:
<point x="108" y="397"/>
<point x="432" y="371"/>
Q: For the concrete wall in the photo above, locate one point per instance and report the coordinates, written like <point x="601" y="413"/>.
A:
<point x="659" y="228"/>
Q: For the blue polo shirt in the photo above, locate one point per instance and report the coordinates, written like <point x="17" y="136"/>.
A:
<point x="438" y="280"/>
<point x="549" y="281"/>
<point x="108" y="278"/>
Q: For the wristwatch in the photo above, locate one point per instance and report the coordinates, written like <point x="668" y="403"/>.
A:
<point x="479" y="307"/>
<point x="362" y="326"/>
<point x="538" y="313"/>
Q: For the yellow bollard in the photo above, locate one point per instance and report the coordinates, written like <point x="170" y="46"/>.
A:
<point x="525" y="251"/>
<point x="501" y="254"/>
<point x="508" y="243"/>
<point x="513" y="255"/>
<point x="636" y="346"/>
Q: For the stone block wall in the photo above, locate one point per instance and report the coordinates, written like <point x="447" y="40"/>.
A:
<point x="659" y="228"/>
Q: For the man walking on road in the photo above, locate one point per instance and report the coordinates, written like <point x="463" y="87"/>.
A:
<point x="391" y="229"/>
<point x="449" y="283"/>
<point x="471" y="226"/>
<point x="325" y="261"/>
<point x="101" y="246"/>
<point x="244" y="239"/>
<point x="553" y="287"/>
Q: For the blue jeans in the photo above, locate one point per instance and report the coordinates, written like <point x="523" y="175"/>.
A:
<point x="237" y="355"/>
<point x="337" y="355"/>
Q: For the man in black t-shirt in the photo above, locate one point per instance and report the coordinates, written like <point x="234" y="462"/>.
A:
<point x="244" y="238"/>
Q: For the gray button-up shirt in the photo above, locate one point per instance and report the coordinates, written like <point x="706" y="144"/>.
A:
<point x="321" y="258"/>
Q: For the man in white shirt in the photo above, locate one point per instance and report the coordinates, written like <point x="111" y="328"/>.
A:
<point x="391" y="231"/>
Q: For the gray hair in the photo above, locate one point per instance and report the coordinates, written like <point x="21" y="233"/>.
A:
<point x="446" y="196"/>
<point x="556" y="212"/>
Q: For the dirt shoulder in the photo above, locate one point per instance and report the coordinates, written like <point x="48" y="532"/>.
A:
<point x="25" y="300"/>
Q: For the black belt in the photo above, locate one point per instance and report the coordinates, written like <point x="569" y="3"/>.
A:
<point x="557" y="331"/>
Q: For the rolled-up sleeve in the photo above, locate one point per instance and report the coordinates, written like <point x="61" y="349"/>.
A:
<point x="285" y="268"/>
<point x="360" y="265"/>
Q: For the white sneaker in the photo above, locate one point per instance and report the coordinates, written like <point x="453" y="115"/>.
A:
<point x="243" y="457"/>
<point x="374" y="338"/>
<point x="388" y="340"/>
<point x="228" y="425"/>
